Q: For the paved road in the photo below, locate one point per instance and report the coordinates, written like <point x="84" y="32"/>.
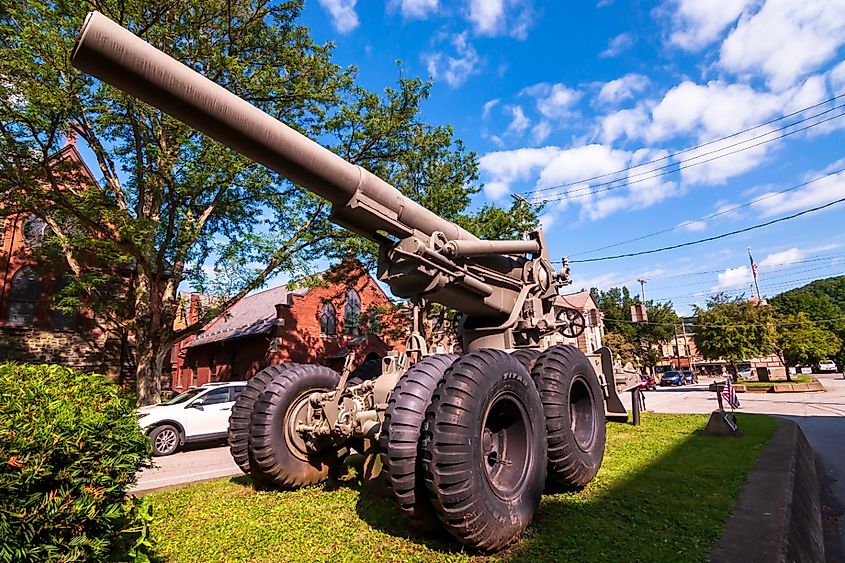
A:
<point x="187" y="467"/>
<point x="820" y="415"/>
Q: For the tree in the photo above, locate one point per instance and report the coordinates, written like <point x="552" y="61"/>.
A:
<point x="174" y="206"/>
<point x="734" y="329"/>
<point x="798" y="340"/>
<point x="622" y="350"/>
<point x="644" y="338"/>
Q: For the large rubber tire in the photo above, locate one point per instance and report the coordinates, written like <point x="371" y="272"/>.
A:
<point x="277" y="454"/>
<point x="370" y="369"/>
<point x="400" y="438"/>
<point x="484" y="449"/>
<point x="527" y="357"/>
<point x="574" y="412"/>
<point x="238" y="435"/>
<point x="165" y="440"/>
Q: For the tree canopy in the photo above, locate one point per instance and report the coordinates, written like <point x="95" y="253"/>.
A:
<point x="734" y="329"/>
<point x="172" y="206"/>
<point x="798" y="340"/>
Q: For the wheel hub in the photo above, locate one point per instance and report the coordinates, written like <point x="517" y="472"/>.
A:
<point x="582" y="414"/>
<point x="505" y="453"/>
<point x="166" y="441"/>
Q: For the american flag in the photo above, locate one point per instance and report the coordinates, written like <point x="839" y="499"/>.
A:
<point x="753" y="265"/>
<point x="729" y="394"/>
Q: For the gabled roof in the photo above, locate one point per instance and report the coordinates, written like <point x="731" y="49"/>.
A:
<point x="581" y="301"/>
<point x="254" y="314"/>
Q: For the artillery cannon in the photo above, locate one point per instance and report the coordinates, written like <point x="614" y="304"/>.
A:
<point x="464" y="442"/>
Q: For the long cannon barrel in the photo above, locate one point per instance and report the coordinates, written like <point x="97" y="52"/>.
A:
<point x="362" y="201"/>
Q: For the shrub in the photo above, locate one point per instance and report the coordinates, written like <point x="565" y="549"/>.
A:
<point x="69" y="449"/>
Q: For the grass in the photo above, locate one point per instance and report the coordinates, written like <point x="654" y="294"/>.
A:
<point x="663" y="494"/>
<point x="795" y="379"/>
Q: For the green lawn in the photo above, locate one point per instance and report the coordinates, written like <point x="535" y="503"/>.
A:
<point x="795" y="379"/>
<point x="663" y="494"/>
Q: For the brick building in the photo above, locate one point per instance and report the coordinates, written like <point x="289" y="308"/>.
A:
<point x="32" y="330"/>
<point x="347" y="313"/>
<point x="591" y="339"/>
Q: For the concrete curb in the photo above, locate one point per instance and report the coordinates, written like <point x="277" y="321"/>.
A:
<point x="777" y="516"/>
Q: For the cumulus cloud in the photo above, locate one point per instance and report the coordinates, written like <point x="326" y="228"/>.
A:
<point x="693" y="226"/>
<point x="622" y="88"/>
<point x="342" y="12"/>
<point x="501" y="169"/>
<point x="630" y="123"/>
<point x="519" y="123"/>
<point x="785" y="40"/>
<point x="554" y="101"/>
<point x="501" y="17"/>
<point x="732" y="278"/>
<point x="488" y="107"/>
<point x="698" y="23"/>
<point x="454" y="69"/>
<point x="541" y="132"/>
<point x="414" y="9"/>
<point x="618" y="45"/>
<point x="779" y="258"/>
<point x="828" y="188"/>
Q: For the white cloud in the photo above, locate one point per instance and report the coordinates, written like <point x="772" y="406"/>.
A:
<point x="541" y="132"/>
<point x="837" y="78"/>
<point x="342" y="12"/>
<point x="820" y="192"/>
<point x="779" y="258"/>
<point x="501" y="17"/>
<point x="554" y="101"/>
<point x="630" y="123"/>
<point x="488" y="106"/>
<point x="617" y="45"/>
<point x="694" y="226"/>
<point x="455" y="70"/>
<point x="785" y="40"/>
<point x="414" y="9"/>
<point x="622" y="88"/>
<point x="698" y="23"/>
<point x="519" y="123"/>
<point x="732" y="278"/>
<point x="502" y="168"/>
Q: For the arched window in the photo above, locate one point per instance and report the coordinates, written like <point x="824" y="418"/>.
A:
<point x="23" y="297"/>
<point x="328" y="320"/>
<point x="62" y="320"/>
<point x="34" y="230"/>
<point x="352" y="313"/>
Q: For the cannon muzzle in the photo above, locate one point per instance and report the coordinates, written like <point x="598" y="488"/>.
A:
<point x="362" y="201"/>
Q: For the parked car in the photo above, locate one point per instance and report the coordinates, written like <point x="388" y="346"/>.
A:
<point x="671" y="378"/>
<point x="647" y="382"/>
<point x="689" y="377"/>
<point x="745" y="373"/>
<point x="197" y="415"/>
<point x="827" y="366"/>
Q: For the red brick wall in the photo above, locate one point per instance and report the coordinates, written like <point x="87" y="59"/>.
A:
<point x="296" y="338"/>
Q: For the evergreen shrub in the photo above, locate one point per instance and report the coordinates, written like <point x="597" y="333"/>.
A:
<point x="69" y="450"/>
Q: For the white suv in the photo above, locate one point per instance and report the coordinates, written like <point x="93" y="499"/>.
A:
<point x="197" y="415"/>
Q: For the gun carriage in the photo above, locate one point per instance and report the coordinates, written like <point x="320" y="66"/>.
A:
<point x="463" y="442"/>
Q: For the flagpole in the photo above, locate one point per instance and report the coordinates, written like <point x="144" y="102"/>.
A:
<point x="754" y="272"/>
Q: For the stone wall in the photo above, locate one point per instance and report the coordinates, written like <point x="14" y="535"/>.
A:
<point x="78" y="350"/>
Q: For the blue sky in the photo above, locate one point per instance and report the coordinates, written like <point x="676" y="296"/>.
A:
<point x="550" y="94"/>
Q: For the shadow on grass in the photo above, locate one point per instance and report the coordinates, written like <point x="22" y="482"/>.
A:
<point x="662" y="501"/>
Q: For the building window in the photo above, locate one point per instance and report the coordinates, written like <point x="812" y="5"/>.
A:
<point x="62" y="320"/>
<point x="212" y="369"/>
<point x="328" y="320"/>
<point x="23" y="297"/>
<point x="352" y="314"/>
<point x="674" y="350"/>
<point x="34" y="230"/>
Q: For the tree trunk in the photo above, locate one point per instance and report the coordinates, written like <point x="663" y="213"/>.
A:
<point x="148" y="374"/>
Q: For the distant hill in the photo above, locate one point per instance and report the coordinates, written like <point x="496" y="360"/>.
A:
<point x="820" y="299"/>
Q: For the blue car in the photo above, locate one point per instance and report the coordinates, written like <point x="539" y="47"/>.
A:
<point x="671" y="378"/>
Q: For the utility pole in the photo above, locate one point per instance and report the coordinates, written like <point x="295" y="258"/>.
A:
<point x="687" y="348"/>
<point x="642" y="281"/>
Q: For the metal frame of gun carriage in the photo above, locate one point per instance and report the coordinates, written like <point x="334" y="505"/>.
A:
<point x="463" y="442"/>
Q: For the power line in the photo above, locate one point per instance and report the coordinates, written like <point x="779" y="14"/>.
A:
<point x="708" y="239"/>
<point x="692" y="298"/>
<point x="701" y="145"/>
<point x="712" y="215"/>
<point x="680" y="166"/>
<point x="706" y="325"/>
